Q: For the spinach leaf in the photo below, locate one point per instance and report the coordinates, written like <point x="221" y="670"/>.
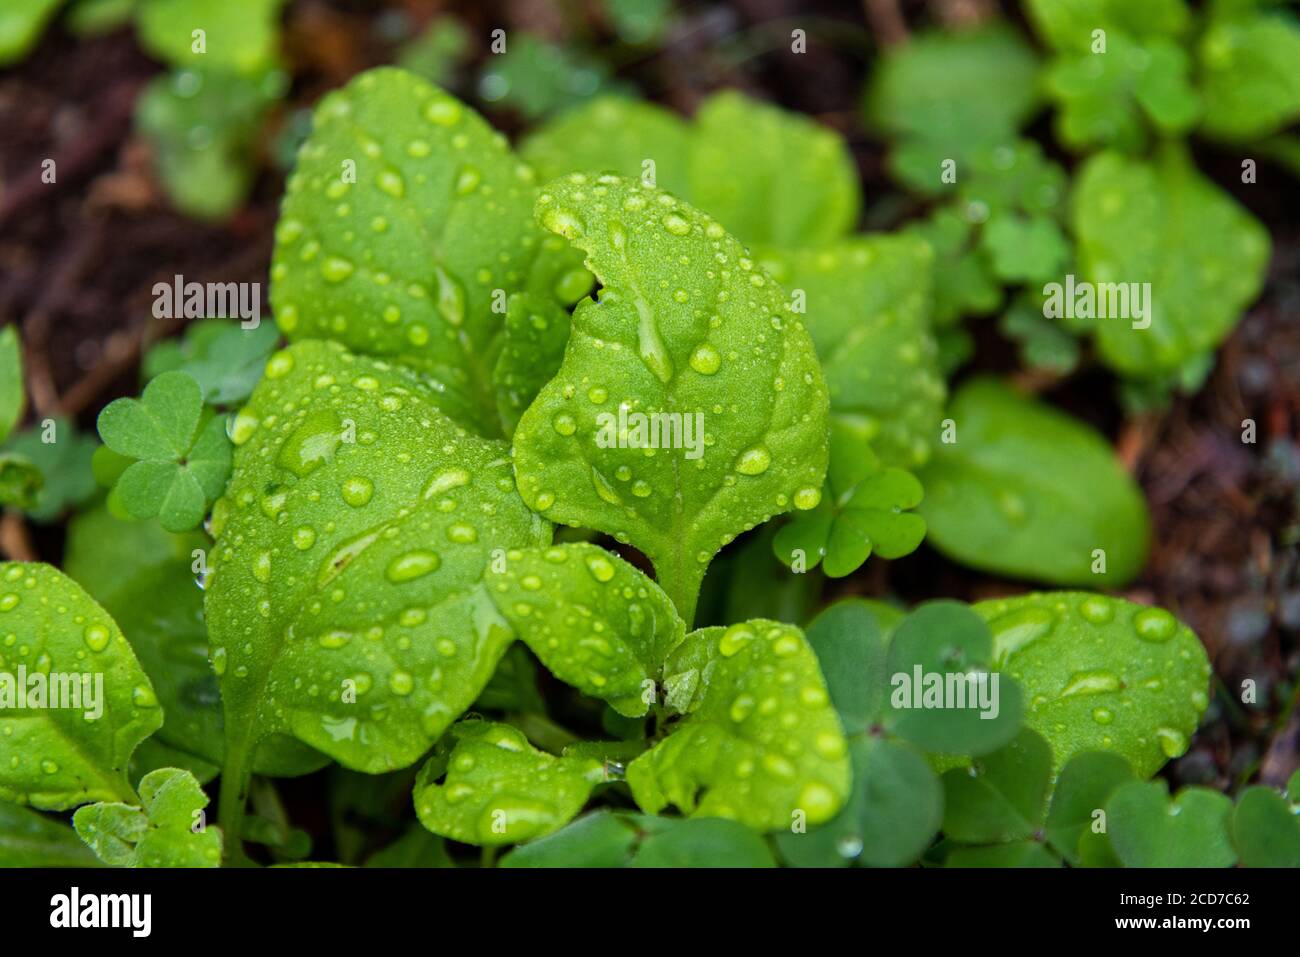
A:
<point x="166" y="830"/>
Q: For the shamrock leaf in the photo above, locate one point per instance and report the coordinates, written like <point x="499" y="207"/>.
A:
<point x="607" y="839"/>
<point x="226" y="360"/>
<point x="1248" y="75"/>
<point x="716" y="351"/>
<point x="145" y="578"/>
<point x="962" y="275"/>
<point x="759" y="742"/>
<point x="61" y="455"/>
<point x="435" y="231"/>
<point x="872" y="516"/>
<point x="71" y="652"/>
<point x="167" y="830"/>
<point x="612" y="134"/>
<point x="1002" y="797"/>
<point x="241" y="38"/>
<point x="1102" y="674"/>
<point x="1265" y="829"/>
<point x="345" y="604"/>
<point x="1026" y="490"/>
<point x="21" y="482"/>
<point x="1149" y="829"/>
<point x="498" y="789"/>
<point x="867" y="303"/>
<point x="817" y="198"/>
<point x="183" y="454"/>
<point x="1024" y="249"/>
<point x="593" y="620"/>
<point x="1080" y="792"/>
<point x="943" y="95"/>
<point x="30" y="839"/>
<point x="1163" y="223"/>
<point x="1043" y="343"/>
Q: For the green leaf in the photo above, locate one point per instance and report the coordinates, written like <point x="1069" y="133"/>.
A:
<point x="1069" y="26"/>
<point x="1002" y="797"/>
<point x="1149" y="829"/>
<point x="21" y="482"/>
<point x="71" y="651"/>
<point x="595" y="621"/>
<point x="416" y="848"/>
<point x="95" y="17"/>
<point x="1265" y="829"/>
<point x="1080" y="792"/>
<point x="21" y="24"/>
<point x="167" y="830"/>
<point x="536" y="332"/>
<point x="537" y="77"/>
<point x="717" y="347"/>
<point x="436" y="54"/>
<point x="892" y="814"/>
<point x="639" y="21"/>
<point x="30" y="839"/>
<point x="599" y="839"/>
<point x="1024" y="249"/>
<point x="795" y="183"/>
<point x="849" y="643"/>
<point x="760" y="742"/>
<point x="1163" y="223"/>
<point x="868" y="305"/>
<point x="435" y="230"/>
<point x="11" y="380"/>
<point x="756" y="587"/>
<point x="499" y="789"/>
<point x="612" y="134"/>
<point x="963" y="278"/>
<point x="1102" y="674"/>
<point x="1248" y="74"/>
<point x="1016" y="854"/>
<point x="242" y="37"/>
<point x="945" y="94"/>
<point x="1043" y="343"/>
<point x="943" y="697"/>
<point x="64" y="463"/>
<point x="225" y="359"/>
<point x="1027" y="491"/>
<point x="345" y="604"/>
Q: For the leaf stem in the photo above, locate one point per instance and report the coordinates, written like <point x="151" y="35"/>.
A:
<point x="543" y="732"/>
<point x="231" y="799"/>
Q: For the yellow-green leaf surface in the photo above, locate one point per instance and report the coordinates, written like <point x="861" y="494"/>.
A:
<point x="166" y="830"/>
<point x="771" y="177"/>
<point x="236" y="36"/>
<point x="1165" y="224"/>
<point x="687" y="325"/>
<point x="499" y="789"/>
<point x="760" y="740"/>
<point x="54" y="637"/>
<point x="868" y="307"/>
<point x="404" y="217"/>
<point x="1102" y="674"/>
<point x="345" y="604"/>
<point x="11" y="380"/>
<point x="594" y="620"/>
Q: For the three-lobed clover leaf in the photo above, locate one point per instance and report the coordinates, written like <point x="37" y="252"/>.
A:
<point x="1102" y="674"/>
<point x="608" y="839"/>
<point x="498" y="789"/>
<point x="74" y="701"/>
<point x="867" y="302"/>
<point x="405" y="225"/>
<point x="225" y="359"/>
<point x="595" y="621"/>
<point x="1165" y="224"/>
<point x="690" y="405"/>
<point x="182" y="453"/>
<point x="759" y="743"/>
<point x="345" y="604"/>
<point x="166" y="830"/>
<point x="1025" y="490"/>
<point x="30" y="839"/>
<point x="1265" y="828"/>
<point x="1078" y="794"/>
<point x="1148" y="828"/>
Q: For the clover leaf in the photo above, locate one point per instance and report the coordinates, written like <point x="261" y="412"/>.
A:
<point x="1148" y="828"/>
<point x="225" y="359"/>
<point x="759" y="742"/>
<point x="242" y="38"/>
<point x="498" y="789"/>
<point x="345" y="605"/>
<point x="1102" y="674"/>
<point x="817" y="198"/>
<point x="59" y="757"/>
<point x="1025" y="490"/>
<point x="405" y="225"/>
<point x="612" y="134"/>
<point x="962" y="273"/>
<point x="595" y="621"/>
<point x="715" y="351"/>
<point x="868" y="304"/>
<point x="61" y="456"/>
<point x="1079" y="793"/>
<point x="1165" y="224"/>
<point x="1002" y="797"/>
<point x="1265" y="829"/>
<point x="607" y="839"/>
<point x="166" y="830"/>
<point x="1247" y="72"/>
<point x="30" y="839"/>
<point x="182" y="453"/>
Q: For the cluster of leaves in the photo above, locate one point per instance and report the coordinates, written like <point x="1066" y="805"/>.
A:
<point x="382" y="576"/>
